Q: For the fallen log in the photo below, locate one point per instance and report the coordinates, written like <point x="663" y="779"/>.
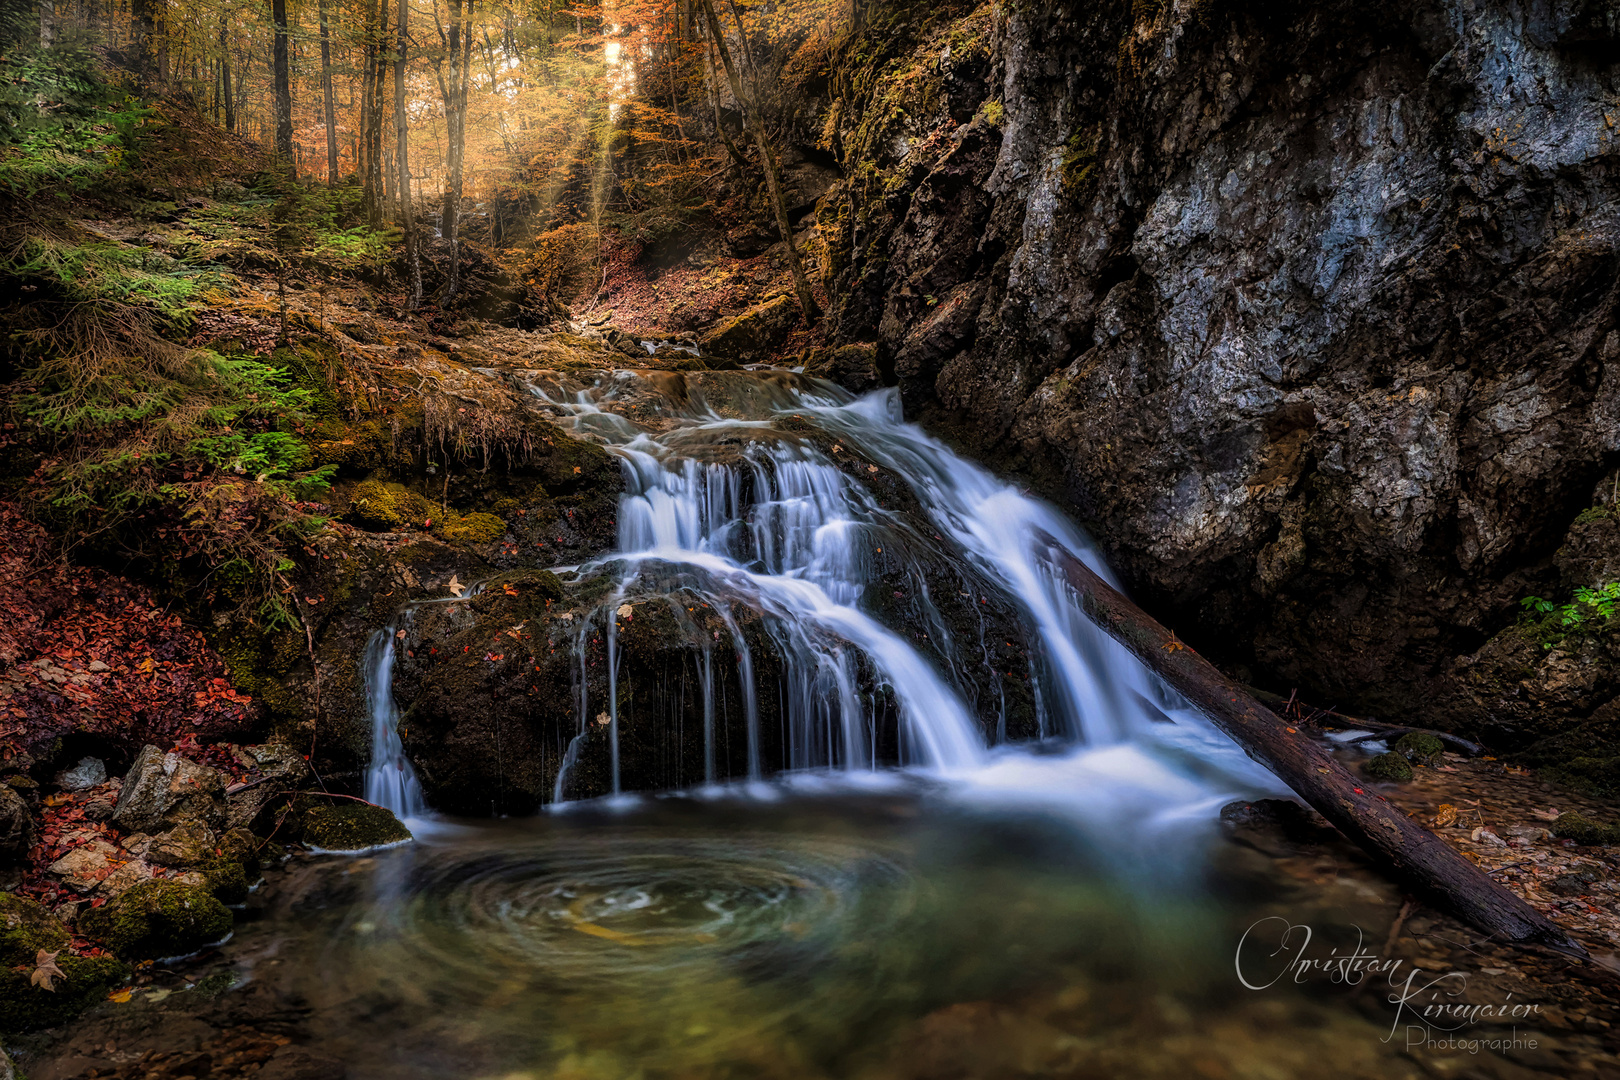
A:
<point x="1434" y="871"/>
<point x="1330" y="718"/>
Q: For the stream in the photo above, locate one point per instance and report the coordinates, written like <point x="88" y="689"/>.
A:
<point x="901" y="874"/>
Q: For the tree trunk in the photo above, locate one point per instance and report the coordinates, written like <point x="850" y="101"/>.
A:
<point x="47" y="23"/>
<point x="801" y="284"/>
<point x="459" y="42"/>
<point x="1431" y="868"/>
<point x="283" y="83"/>
<point x="143" y="33"/>
<point x="413" y="255"/>
<point x="331" y="106"/>
<point x="227" y="96"/>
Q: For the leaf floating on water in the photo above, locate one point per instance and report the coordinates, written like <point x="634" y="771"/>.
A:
<point x="454" y="585"/>
<point x="122" y="996"/>
<point x="1446" y="815"/>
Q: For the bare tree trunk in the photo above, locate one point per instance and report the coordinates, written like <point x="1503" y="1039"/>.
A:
<point x="226" y="96"/>
<point x="413" y="255"/>
<point x="331" y="106"/>
<point x="47" y="23"/>
<point x="801" y="283"/>
<point x="1434" y="870"/>
<point x="283" y="83"/>
<point x="459" y="42"/>
<point x="142" y="33"/>
<point x="719" y="122"/>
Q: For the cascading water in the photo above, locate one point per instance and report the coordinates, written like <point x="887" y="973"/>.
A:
<point x="729" y="503"/>
<point x="390" y="780"/>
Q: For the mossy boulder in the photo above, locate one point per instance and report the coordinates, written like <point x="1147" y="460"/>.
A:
<point x="472" y="529"/>
<point x="26" y="1007"/>
<point x="1391" y="767"/>
<point x="752" y="335"/>
<point x="377" y="505"/>
<point x="348" y="826"/>
<point x="1581" y="829"/>
<point x="25" y="928"/>
<point x="157" y="919"/>
<point x="1419" y="747"/>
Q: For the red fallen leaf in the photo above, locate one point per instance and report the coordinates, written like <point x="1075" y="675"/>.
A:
<point x="1359" y="791"/>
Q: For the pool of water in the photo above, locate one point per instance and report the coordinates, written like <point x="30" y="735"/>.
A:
<point x="811" y="929"/>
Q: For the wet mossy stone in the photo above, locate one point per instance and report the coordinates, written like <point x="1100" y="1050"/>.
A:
<point x="26" y="1007"/>
<point x="25" y="928"/>
<point x="348" y="826"/>
<point x="1581" y="829"/>
<point x="1419" y="747"/>
<point x="1392" y="767"/>
<point x="158" y="919"/>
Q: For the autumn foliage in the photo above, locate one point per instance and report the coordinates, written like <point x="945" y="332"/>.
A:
<point x="85" y="651"/>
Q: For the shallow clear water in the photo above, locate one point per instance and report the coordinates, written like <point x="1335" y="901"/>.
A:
<point x="809" y="933"/>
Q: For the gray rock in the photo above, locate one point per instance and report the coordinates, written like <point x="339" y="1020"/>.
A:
<point x="163" y="790"/>
<point x="88" y="773"/>
<point x="752" y="335"/>
<point x="189" y="843"/>
<point x="16" y="826"/>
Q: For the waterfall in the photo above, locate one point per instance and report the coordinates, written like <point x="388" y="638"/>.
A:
<point x="773" y="510"/>
<point x="390" y="781"/>
<point x="720" y="505"/>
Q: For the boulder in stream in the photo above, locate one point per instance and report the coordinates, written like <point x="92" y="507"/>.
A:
<point x="348" y="826"/>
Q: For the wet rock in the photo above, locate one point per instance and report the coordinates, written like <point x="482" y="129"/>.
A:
<point x="1277" y="827"/>
<point x="298" y="1063"/>
<point x="158" y="919"/>
<point x="349" y="826"/>
<point x="162" y="790"/>
<point x="1391" y="767"/>
<point x="88" y="773"/>
<point x="16" y="826"/>
<point x="751" y="336"/>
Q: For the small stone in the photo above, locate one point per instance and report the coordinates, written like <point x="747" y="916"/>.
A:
<point x="88" y="773"/>
<point x="187" y="844"/>
<point x="16" y="826"/>
<point x="83" y="868"/>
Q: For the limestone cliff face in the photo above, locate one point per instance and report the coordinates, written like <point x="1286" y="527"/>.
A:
<point x="1308" y="310"/>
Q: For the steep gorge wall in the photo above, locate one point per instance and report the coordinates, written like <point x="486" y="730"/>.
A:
<point x="1308" y="311"/>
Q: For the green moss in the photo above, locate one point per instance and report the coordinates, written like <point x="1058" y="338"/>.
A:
<point x="157" y="919"/>
<point x="25" y="928"/>
<point x="1419" y="747"/>
<point x="378" y="505"/>
<point x="1391" y="767"/>
<point x="1594" y="513"/>
<point x="26" y="1007"/>
<point x="472" y="529"/>
<point x="227" y="880"/>
<point x="348" y="826"/>
<point x="1575" y="826"/>
<point x="994" y="113"/>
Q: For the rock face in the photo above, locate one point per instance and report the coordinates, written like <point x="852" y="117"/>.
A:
<point x="1309" y="311"/>
<point x="164" y="790"/>
<point x="16" y="826"/>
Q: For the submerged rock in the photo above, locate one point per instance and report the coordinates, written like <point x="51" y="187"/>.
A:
<point x="166" y="789"/>
<point x="1419" y="747"/>
<point x="1577" y="827"/>
<point x="1391" y="767"/>
<point x="158" y="919"/>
